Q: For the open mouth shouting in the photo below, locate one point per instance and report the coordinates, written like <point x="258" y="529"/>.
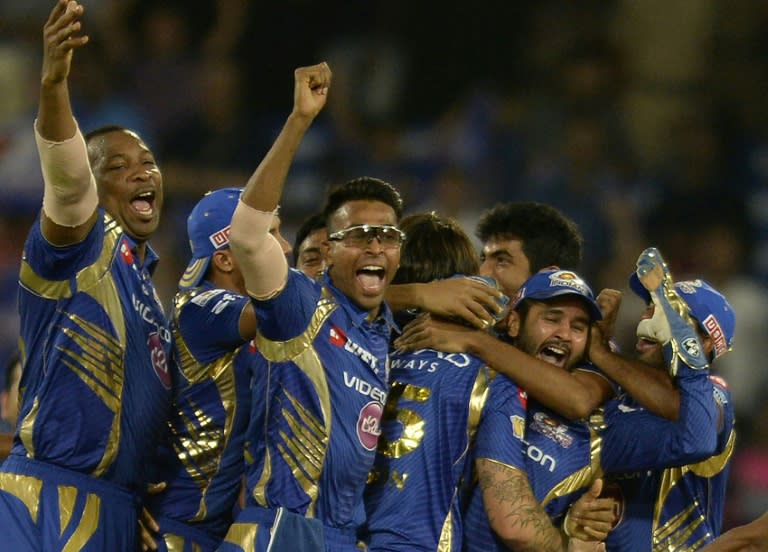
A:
<point x="555" y="353"/>
<point x="143" y="205"/>
<point x="371" y="279"/>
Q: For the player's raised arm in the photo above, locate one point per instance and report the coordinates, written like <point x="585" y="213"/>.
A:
<point x="70" y="197"/>
<point x="261" y="257"/>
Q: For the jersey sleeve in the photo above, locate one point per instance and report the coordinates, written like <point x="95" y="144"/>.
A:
<point x="288" y="313"/>
<point x="209" y="323"/>
<point x="61" y="262"/>
<point x="501" y="431"/>
<point x="635" y="439"/>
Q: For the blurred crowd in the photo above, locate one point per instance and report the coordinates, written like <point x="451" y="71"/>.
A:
<point x="645" y="122"/>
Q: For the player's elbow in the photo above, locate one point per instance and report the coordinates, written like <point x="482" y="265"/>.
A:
<point x="579" y="407"/>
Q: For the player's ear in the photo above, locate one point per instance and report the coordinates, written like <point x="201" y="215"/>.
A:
<point x="222" y="260"/>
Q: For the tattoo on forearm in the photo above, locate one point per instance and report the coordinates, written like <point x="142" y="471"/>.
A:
<point x="518" y="508"/>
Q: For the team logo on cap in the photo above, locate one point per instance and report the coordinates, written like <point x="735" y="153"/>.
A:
<point x="568" y="279"/>
<point x="220" y="238"/>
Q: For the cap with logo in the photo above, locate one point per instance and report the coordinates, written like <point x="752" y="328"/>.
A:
<point x="208" y="231"/>
<point x="548" y="284"/>
<point x="708" y="306"/>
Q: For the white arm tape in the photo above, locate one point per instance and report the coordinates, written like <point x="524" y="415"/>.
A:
<point x="258" y="254"/>
<point x="69" y="196"/>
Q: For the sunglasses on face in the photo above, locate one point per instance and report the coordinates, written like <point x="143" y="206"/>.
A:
<point x="361" y="235"/>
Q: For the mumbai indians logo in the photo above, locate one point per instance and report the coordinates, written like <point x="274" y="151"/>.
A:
<point x="716" y="333"/>
<point x="549" y="427"/>
<point x="368" y="425"/>
<point x="220" y="238"/>
<point x="568" y="279"/>
<point x="691" y="346"/>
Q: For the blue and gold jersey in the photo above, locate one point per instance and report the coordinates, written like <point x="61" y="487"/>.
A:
<point x="320" y="391"/>
<point x="96" y="385"/>
<point x="679" y="507"/>
<point x="202" y="462"/>
<point x="414" y="499"/>
<point x="561" y="458"/>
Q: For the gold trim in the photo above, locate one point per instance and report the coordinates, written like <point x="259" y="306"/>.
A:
<point x="47" y="289"/>
<point x="243" y="535"/>
<point x="445" y="542"/>
<point x="582" y="478"/>
<point x="173" y="543"/>
<point x="24" y="487"/>
<point x="27" y="428"/>
<point x="67" y="497"/>
<point x="309" y="442"/>
<point x="715" y="464"/>
<point x="89" y="522"/>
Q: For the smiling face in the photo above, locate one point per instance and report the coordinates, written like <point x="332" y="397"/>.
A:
<point x="129" y="182"/>
<point x="504" y="261"/>
<point x="362" y="273"/>
<point x="555" y="331"/>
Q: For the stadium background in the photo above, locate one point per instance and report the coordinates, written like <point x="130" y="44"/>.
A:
<point x="646" y="122"/>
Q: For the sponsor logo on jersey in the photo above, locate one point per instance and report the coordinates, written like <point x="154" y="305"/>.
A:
<point x="549" y="427"/>
<point x="720" y="397"/>
<point x="365" y="388"/>
<point x="147" y="314"/>
<point x="340" y="339"/>
<point x="159" y="360"/>
<point x="717" y="380"/>
<point x="531" y="451"/>
<point x="368" y="425"/>
<point x="125" y="252"/>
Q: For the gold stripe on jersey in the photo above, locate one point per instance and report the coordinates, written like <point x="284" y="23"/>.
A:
<point x="674" y="533"/>
<point x="24" y="487"/>
<point x="100" y="367"/>
<point x="47" y="289"/>
<point x="200" y="447"/>
<point x="582" y="478"/>
<point x="175" y="543"/>
<point x="477" y="399"/>
<point x="86" y="526"/>
<point x="714" y="465"/>
<point x="445" y="542"/>
<point x="309" y="440"/>
<point x="67" y="497"/>
<point x="27" y="427"/>
<point x="243" y="535"/>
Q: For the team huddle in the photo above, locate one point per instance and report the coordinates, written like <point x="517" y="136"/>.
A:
<point x="394" y="390"/>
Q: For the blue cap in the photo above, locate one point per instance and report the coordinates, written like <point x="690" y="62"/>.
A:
<point x="208" y="231"/>
<point x="547" y="284"/>
<point x="708" y="306"/>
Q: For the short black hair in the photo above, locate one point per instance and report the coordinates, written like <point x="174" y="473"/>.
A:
<point x="435" y="247"/>
<point x="363" y="188"/>
<point x="312" y="223"/>
<point x="106" y="129"/>
<point x="549" y="238"/>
